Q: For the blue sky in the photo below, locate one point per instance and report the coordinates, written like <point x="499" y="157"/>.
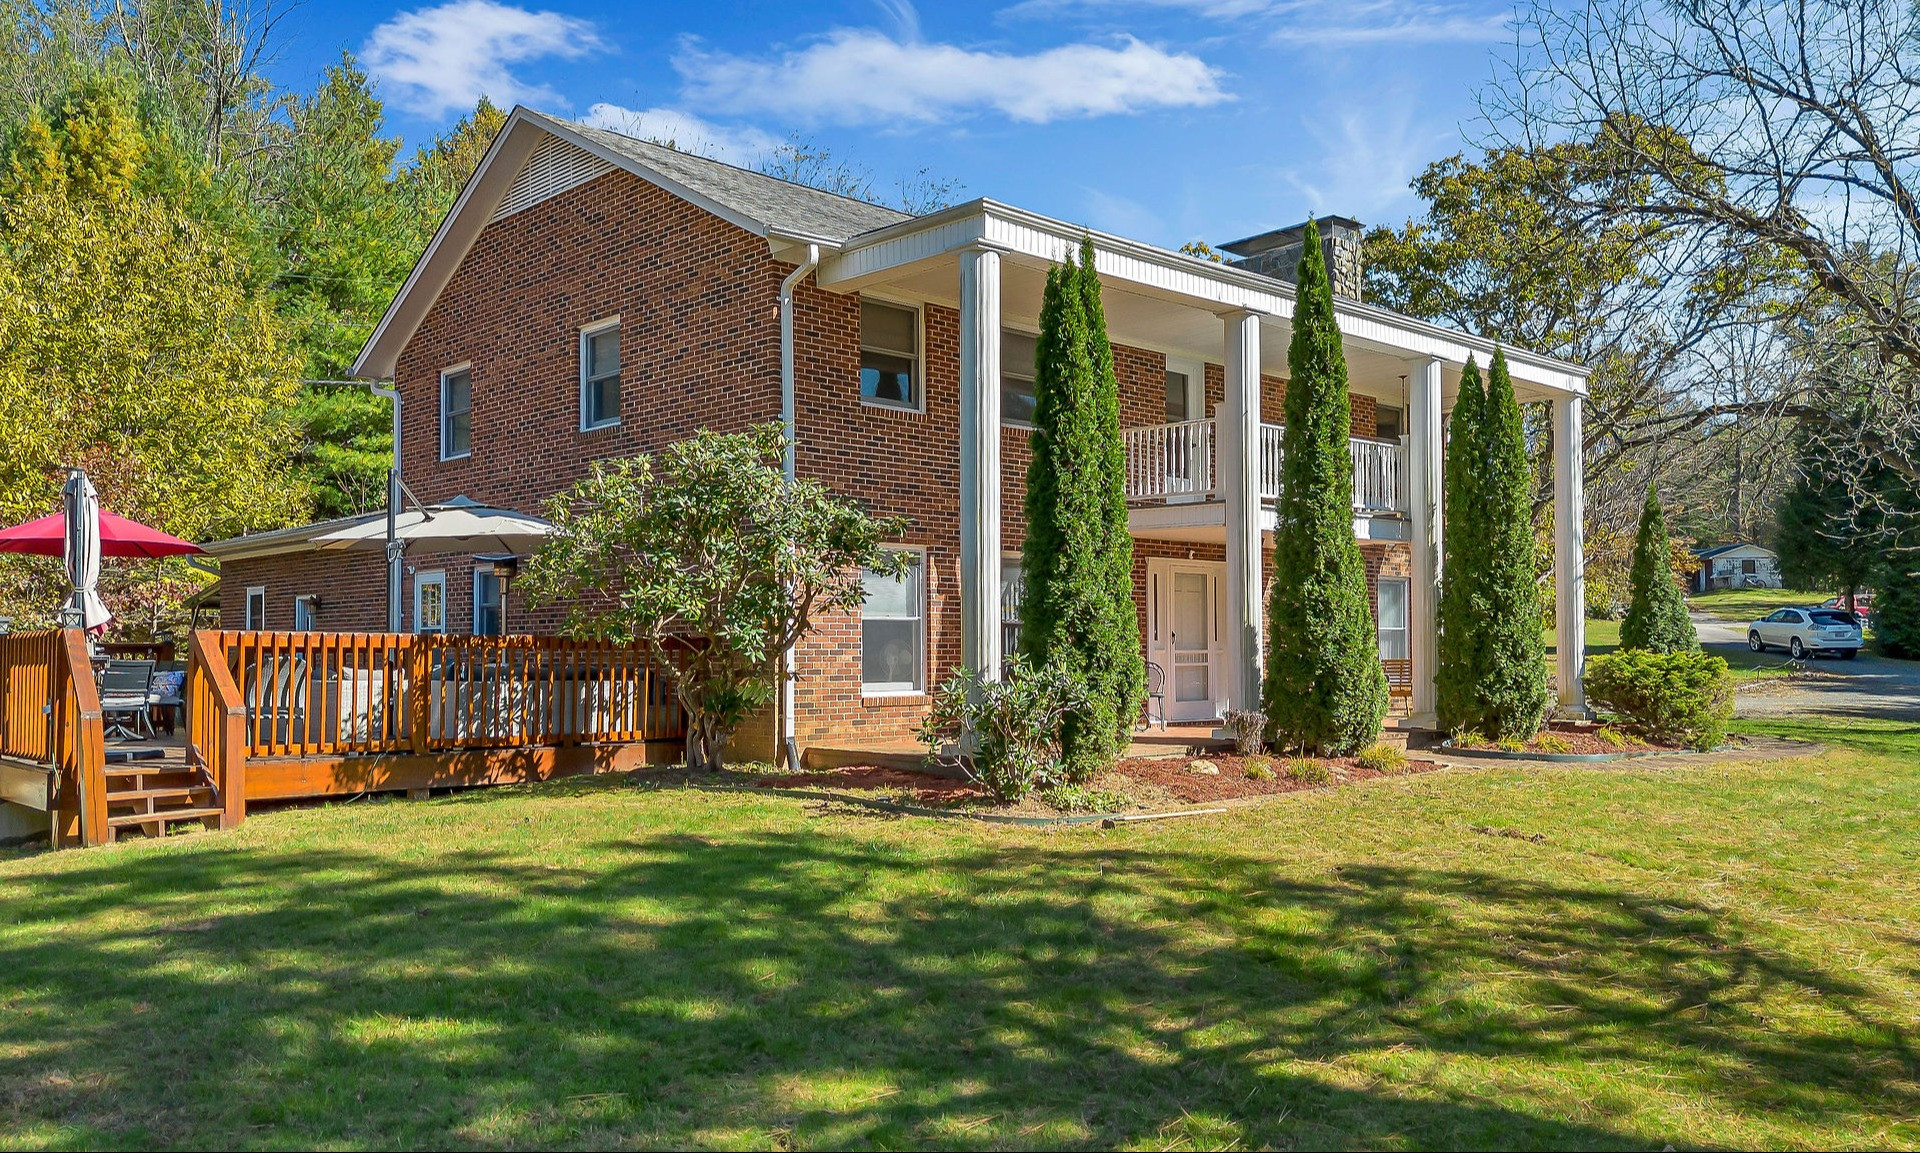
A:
<point x="1166" y="120"/>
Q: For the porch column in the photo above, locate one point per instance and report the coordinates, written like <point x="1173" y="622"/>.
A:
<point x="1237" y="432"/>
<point x="980" y="461"/>
<point x="1424" y="446"/>
<point x="1569" y="548"/>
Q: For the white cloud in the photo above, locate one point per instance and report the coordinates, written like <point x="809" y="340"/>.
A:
<point x="863" y="76"/>
<point x="1327" y="22"/>
<point x="1362" y="156"/>
<point x="435" y="61"/>
<point x="742" y="145"/>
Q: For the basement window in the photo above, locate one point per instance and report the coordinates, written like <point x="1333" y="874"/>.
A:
<point x="889" y="354"/>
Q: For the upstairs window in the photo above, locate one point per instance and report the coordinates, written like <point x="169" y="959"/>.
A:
<point x="1018" y="353"/>
<point x="600" y="375"/>
<point x="1185" y="386"/>
<point x="456" y="413"/>
<point x="889" y="354"/>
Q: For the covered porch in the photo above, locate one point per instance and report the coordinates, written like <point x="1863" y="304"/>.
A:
<point x="1209" y="473"/>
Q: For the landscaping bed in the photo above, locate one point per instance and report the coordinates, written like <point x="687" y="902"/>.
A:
<point x="1564" y="740"/>
<point x="1187" y="779"/>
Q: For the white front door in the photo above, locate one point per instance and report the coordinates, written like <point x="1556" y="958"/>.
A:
<point x="1184" y="636"/>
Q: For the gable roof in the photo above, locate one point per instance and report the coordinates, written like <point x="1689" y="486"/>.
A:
<point x="1722" y="549"/>
<point x="761" y="204"/>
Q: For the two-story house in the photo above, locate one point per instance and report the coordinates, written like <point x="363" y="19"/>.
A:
<point x="591" y="295"/>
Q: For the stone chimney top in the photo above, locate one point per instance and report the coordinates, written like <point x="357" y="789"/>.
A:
<point x="1277" y="253"/>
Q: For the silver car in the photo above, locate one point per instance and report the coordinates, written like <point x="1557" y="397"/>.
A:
<point x="1807" y="632"/>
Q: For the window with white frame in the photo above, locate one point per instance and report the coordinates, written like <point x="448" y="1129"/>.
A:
<point x="1013" y="587"/>
<point x="1018" y="356"/>
<point x="456" y="413"/>
<point x="1184" y="386"/>
<point x="303" y="621"/>
<point x="889" y="354"/>
<point x="893" y="630"/>
<point x="489" y="604"/>
<point x="1392" y="619"/>
<point x="255" y="615"/>
<point x="600" y="375"/>
<point x="430" y="602"/>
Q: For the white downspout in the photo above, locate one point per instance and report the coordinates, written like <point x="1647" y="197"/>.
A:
<point x="783" y="723"/>
<point x="394" y="547"/>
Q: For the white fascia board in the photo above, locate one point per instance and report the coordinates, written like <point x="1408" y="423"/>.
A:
<point x="870" y="256"/>
<point x="283" y="540"/>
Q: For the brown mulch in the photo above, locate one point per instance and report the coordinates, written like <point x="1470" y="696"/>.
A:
<point x="1584" y="740"/>
<point x="925" y="788"/>
<point x="1185" y="778"/>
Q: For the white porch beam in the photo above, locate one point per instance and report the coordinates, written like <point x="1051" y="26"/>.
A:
<point x="1424" y="471"/>
<point x="980" y="461"/>
<point x="1569" y="549"/>
<point x="1238" y="430"/>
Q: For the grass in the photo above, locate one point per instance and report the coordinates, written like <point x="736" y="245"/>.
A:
<point x="1716" y="956"/>
<point x="1743" y="605"/>
<point x="1743" y="665"/>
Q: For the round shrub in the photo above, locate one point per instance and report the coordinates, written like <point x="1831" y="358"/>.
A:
<point x="1681" y="698"/>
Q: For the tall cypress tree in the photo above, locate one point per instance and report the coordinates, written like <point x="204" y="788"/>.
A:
<point x="1511" y="685"/>
<point x="1657" y="614"/>
<point x="1077" y="611"/>
<point x="1324" y="689"/>
<point x="1463" y="543"/>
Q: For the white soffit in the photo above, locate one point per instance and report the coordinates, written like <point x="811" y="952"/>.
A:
<point x="555" y="167"/>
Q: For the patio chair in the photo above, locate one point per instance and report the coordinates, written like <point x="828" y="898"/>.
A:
<point x="124" y="686"/>
<point x="1156" y="693"/>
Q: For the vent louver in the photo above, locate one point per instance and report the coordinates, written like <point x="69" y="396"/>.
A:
<point x="553" y="168"/>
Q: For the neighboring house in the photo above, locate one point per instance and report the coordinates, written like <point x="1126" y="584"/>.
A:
<point x="591" y="295"/>
<point x="1742" y="564"/>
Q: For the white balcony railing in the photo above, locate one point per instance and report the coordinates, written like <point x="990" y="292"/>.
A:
<point x="1175" y="462"/>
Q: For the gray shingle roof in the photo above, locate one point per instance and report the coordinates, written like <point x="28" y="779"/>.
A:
<point x="780" y="205"/>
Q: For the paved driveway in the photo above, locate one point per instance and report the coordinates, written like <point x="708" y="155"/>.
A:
<point x="1867" y="686"/>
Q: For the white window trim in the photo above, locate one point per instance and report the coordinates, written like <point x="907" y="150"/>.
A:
<point x="422" y="579"/>
<point x="480" y="574"/>
<point x="466" y="367"/>
<point x="255" y="594"/>
<point x="919" y="311"/>
<point x="1004" y="329"/>
<point x="1196" y="384"/>
<point x="587" y="332"/>
<point x="1406" y="601"/>
<point x="920" y="646"/>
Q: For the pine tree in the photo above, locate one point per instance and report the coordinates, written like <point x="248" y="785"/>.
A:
<point x="1896" y="607"/>
<point x="1464" y="561"/>
<point x="1077" y="610"/>
<point x="1324" y="688"/>
<point x="1511" y="696"/>
<point x="1822" y="537"/>
<point x="1657" y="614"/>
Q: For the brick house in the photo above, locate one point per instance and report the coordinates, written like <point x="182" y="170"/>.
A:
<point x="591" y="295"/>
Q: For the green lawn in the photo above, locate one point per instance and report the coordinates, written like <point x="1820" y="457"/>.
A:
<point x="1743" y="605"/>
<point x="1716" y="956"/>
<point x="1604" y="637"/>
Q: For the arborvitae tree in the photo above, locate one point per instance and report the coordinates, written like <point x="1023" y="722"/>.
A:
<point x="1077" y="610"/>
<point x="1325" y="691"/>
<point x="1511" y="696"/>
<point x="1657" y="615"/>
<point x="1464" y="562"/>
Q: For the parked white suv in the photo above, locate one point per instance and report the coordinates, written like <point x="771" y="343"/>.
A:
<point x="1807" y="632"/>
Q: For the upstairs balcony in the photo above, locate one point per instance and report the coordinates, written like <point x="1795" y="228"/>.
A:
<point x="1176" y="464"/>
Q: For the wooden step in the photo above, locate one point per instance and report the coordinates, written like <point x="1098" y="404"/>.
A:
<point x="159" y="793"/>
<point x="127" y="819"/>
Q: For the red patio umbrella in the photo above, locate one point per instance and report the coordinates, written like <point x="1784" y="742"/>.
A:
<point x="118" y="537"/>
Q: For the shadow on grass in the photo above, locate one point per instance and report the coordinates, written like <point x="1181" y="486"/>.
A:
<point x="766" y="987"/>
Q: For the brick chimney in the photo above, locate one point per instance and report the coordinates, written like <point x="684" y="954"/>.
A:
<point x="1277" y="253"/>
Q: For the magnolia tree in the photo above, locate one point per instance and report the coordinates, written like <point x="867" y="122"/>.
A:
<point x="711" y="559"/>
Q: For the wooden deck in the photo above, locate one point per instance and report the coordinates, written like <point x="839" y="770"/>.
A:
<point x="289" y="716"/>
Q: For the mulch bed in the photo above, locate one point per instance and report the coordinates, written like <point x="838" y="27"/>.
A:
<point x="924" y="788"/>
<point x="1186" y="778"/>
<point x="1585" y="741"/>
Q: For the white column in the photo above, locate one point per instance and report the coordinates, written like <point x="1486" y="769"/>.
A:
<point x="1237" y="432"/>
<point x="980" y="461"/>
<point x="1424" y="448"/>
<point x="1569" y="548"/>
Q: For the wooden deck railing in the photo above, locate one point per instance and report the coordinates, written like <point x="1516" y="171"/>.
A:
<point x="216" y="725"/>
<point x="79" y="745"/>
<point x="310" y="694"/>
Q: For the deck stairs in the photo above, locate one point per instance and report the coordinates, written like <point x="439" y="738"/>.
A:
<point x="151" y="796"/>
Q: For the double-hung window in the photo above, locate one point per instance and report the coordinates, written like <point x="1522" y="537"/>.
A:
<point x="893" y="631"/>
<point x="1018" y="353"/>
<point x="889" y="354"/>
<point x="1013" y="588"/>
<point x="1392" y="592"/>
<point x="489" y="604"/>
<point x="600" y="375"/>
<point x="456" y="413"/>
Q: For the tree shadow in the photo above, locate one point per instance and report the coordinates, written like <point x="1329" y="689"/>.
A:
<point x="791" y="986"/>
